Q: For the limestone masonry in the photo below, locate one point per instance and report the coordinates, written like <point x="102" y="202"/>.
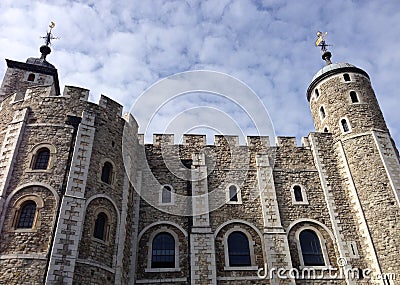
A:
<point x="84" y="201"/>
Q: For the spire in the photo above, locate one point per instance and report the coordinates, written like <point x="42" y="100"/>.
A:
<point x="45" y="49"/>
<point x="320" y="42"/>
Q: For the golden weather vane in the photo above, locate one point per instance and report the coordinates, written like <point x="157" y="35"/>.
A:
<point x="49" y="35"/>
<point x="320" y="42"/>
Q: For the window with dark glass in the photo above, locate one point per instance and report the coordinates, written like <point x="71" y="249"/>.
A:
<point x="316" y="93"/>
<point x="27" y="215"/>
<point x="163" y="251"/>
<point x="166" y="195"/>
<point x="346" y="77"/>
<point x="298" y="196"/>
<point x="322" y="110"/>
<point x="345" y="125"/>
<point x="326" y="130"/>
<point x="233" y="193"/>
<point x="311" y="249"/>
<point x="106" y="172"/>
<point x="238" y="249"/>
<point x="100" y="226"/>
<point x="31" y="77"/>
<point x="353" y="97"/>
<point x="42" y="158"/>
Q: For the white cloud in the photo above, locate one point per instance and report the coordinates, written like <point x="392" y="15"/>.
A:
<point x="120" y="48"/>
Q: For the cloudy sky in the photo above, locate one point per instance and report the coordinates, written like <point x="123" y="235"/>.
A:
<point x="121" y="48"/>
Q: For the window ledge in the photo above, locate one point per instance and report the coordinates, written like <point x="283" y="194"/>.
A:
<point x="176" y="269"/>
<point x="301" y="203"/>
<point x="24" y="230"/>
<point x="241" y="268"/>
<point x="317" y="267"/>
<point x="38" y="170"/>
<point x="234" y="203"/>
<point x="100" y="241"/>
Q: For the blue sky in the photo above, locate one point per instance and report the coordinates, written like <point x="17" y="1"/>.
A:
<point x="121" y="48"/>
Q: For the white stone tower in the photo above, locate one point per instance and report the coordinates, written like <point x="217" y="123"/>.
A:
<point x="344" y="104"/>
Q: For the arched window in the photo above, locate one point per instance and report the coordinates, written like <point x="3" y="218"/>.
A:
<point x="163" y="251"/>
<point x="100" y="227"/>
<point x="233" y="193"/>
<point x="166" y="194"/>
<point x="27" y="215"/>
<point x="238" y="249"/>
<point x="316" y="93"/>
<point x="353" y="97"/>
<point x="326" y="130"/>
<point x="106" y="172"/>
<point x="31" y="77"/>
<point x="322" y="110"/>
<point x="298" y="196"/>
<point x="345" y="125"/>
<point x="42" y="158"/>
<point x="346" y="77"/>
<point x="311" y="249"/>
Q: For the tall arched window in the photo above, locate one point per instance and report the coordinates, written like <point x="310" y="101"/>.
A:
<point x="311" y="249"/>
<point x="322" y="111"/>
<point x="106" y="172"/>
<point x="100" y="226"/>
<point x="42" y="158"/>
<point x="346" y="77"/>
<point x="163" y="251"/>
<point x="345" y="125"/>
<point x="238" y="249"/>
<point x="298" y="195"/>
<point x="316" y="93"/>
<point x="233" y="193"/>
<point x="353" y="97"/>
<point x="27" y="215"/>
<point x="166" y="194"/>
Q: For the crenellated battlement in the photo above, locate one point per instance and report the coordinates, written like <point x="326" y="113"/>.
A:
<point x="198" y="140"/>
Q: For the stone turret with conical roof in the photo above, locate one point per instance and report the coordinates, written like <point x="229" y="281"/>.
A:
<point x="35" y="72"/>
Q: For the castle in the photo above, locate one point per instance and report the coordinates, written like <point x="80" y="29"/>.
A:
<point x="84" y="201"/>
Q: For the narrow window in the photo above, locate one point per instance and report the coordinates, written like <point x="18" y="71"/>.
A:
<point x="354" y="97"/>
<point x="346" y="77"/>
<point x="163" y="251"/>
<point x="311" y="249"/>
<point x="100" y="226"/>
<point x="322" y="110"/>
<point x="298" y="196"/>
<point x="238" y="249"/>
<point x="42" y="158"/>
<point x="326" y="130"/>
<point x="106" y="172"/>
<point x="27" y="215"/>
<point x="166" y="195"/>
<point x="316" y="93"/>
<point x="31" y="77"/>
<point x="233" y="195"/>
<point x="344" y="125"/>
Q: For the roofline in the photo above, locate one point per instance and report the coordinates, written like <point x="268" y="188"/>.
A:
<point x="332" y="72"/>
<point x="36" y="68"/>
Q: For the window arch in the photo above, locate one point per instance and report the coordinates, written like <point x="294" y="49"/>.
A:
<point x="163" y="251"/>
<point x="107" y="172"/>
<point x="299" y="195"/>
<point x="316" y="93"/>
<point x="166" y="194"/>
<point x="326" y="130"/>
<point x="41" y="159"/>
<point x="27" y="214"/>
<point x="346" y="77"/>
<point x="322" y="112"/>
<point x="31" y="77"/>
<point x="311" y="248"/>
<point x="354" y="97"/>
<point x="345" y="125"/>
<point x="234" y="195"/>
<point x="101" y="226"/>
<point x="238" y="249"/>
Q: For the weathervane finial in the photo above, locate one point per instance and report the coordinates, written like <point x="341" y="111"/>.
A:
<point x="45" y="49"/>
<point x="320" y="42"/>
